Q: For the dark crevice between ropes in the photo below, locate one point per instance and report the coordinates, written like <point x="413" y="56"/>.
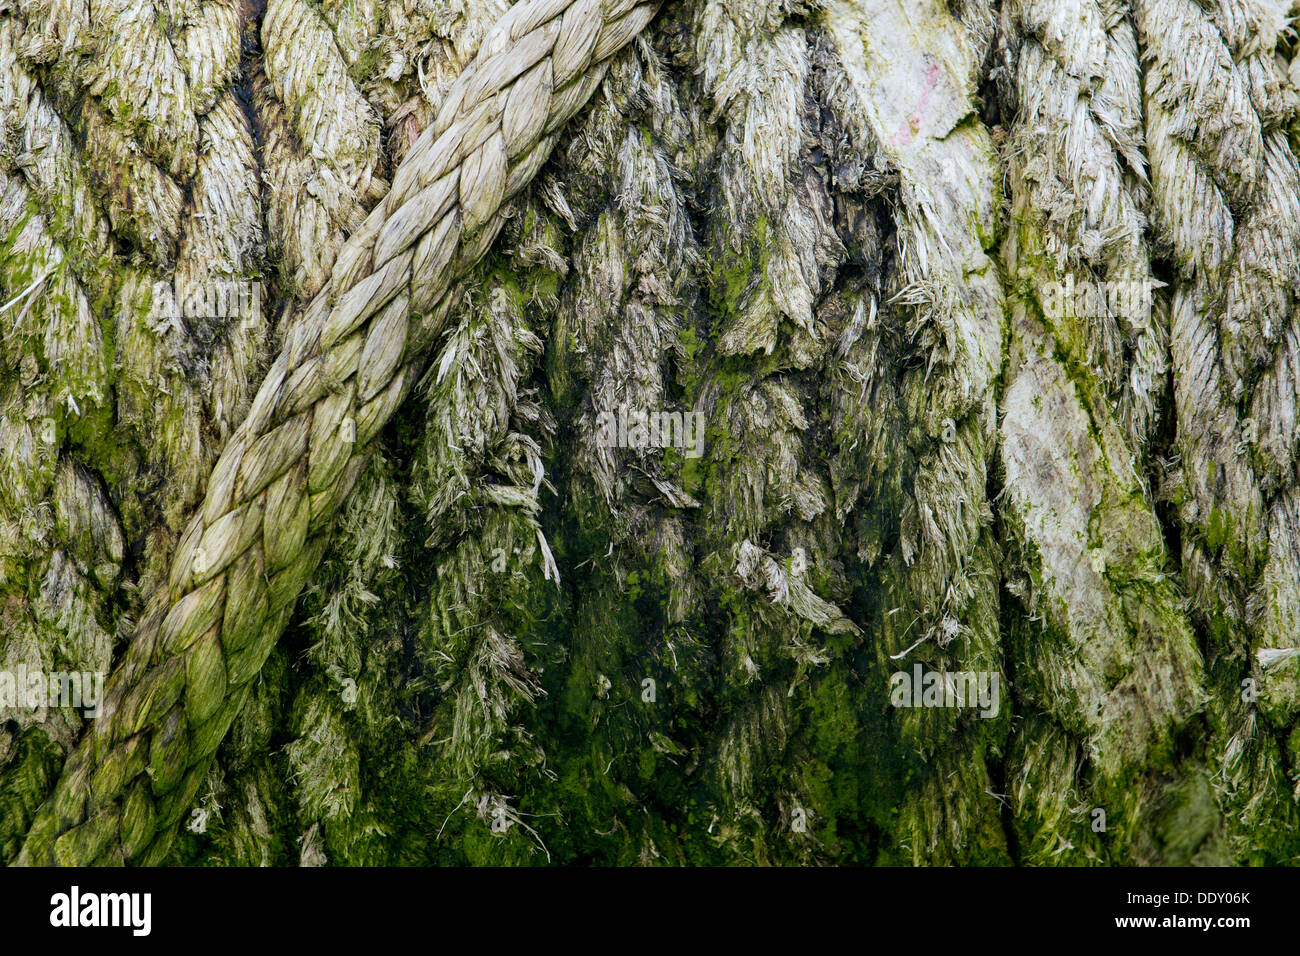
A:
<point x="1009" y="611"/>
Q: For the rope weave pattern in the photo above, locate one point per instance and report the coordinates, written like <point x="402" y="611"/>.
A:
<point x="347" y="362"/>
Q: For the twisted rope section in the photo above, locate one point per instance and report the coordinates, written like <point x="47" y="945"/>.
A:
<point x="347" y="362"/>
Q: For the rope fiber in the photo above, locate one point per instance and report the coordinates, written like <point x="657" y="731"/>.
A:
<point x="347" y="362"/>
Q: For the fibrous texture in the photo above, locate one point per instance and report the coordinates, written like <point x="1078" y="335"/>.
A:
<point x="346" y="363"/>
<point x="632" y="397"/>
<point x="918" y="104"/>
<point x="1220" y="113"/>
<point x="1113" y="649"/>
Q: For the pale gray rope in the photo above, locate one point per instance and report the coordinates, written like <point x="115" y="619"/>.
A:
<point x="347" y="362"/>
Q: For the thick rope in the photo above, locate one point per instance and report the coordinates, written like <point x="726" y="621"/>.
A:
<point x="348" y="361"/>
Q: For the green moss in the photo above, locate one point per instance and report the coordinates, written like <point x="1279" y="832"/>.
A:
<point x="732" y="274"/>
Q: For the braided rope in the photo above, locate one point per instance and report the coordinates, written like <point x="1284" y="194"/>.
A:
<point x="346" y="364"/>
<point x="1116" y="661"/>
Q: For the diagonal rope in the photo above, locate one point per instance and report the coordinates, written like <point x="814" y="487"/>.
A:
<point x="347" y="362"/>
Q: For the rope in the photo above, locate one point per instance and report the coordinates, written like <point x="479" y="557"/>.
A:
<point x="347" y="362"/>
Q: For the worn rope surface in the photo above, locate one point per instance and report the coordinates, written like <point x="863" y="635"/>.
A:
<point x="348" y="361"/>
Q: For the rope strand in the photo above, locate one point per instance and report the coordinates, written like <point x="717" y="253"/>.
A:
<point x="347" y="362"/>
